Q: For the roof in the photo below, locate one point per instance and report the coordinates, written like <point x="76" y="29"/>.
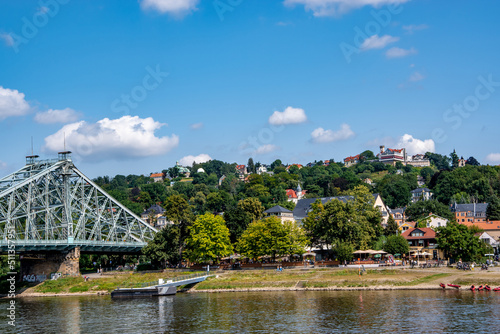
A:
<point x="394" y="150"/>
<point x="486" y="226"/>
<point x="290" y="193"/>
<point x="429" y="233"/>
<point x="356" y="157"/>
<point x="277" y="209"/>
<point x="421" y="190"/>
<point x="475" y="207"/>
<point x="398" y="210"/>
<point x="156" y="209"/>
<point x="303" y="205"/>
<point x="157" y="175"/>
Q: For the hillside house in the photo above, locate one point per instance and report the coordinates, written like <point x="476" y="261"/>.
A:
<point x="421" y="194"/>
<point x="351" y="161"/>
<point x="157" y="177"/>
<point x="470" y="213"/>
<point x="282" y="213"/>
<point x="303" y="206"/>
<point x="422" y="240"/>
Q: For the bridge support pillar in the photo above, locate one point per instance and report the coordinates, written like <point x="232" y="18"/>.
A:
<point x="66" y="263"/>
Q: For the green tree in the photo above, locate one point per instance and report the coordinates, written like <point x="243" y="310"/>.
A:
<point x="164" y="248"/>
<point x="396" y="244"/>
<point x="355" y="222"/>
<point x="441" y="162"/>
<point x="460" y="242"/>
<point x="422" y="209"/>
<point x="472" y="161"/>
<point x="493" y="210"/>
<point x="367" y="155"/>
<point x="239" y="217"/>
<point x="392" y="227"/>
<point x="251" y="165"/>
<point x="344" y="251"/>
<point x="270" y="236"/>
<point x="179" y="211"/>
<point x="454" y="159"/>
<point x="276" y="163"/>
<point x="208" y="239"/>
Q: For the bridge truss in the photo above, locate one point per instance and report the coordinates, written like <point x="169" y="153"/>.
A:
<point x="51" y="205"/>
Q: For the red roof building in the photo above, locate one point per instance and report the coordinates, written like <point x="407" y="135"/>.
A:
<point x="422" y="242"/>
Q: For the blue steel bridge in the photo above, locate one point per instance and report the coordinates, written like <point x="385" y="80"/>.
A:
<point x="49" y="205"/>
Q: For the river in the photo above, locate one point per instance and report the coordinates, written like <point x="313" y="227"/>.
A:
<point x="267" y="312"/>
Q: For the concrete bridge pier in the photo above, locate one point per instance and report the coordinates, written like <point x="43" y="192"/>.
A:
<point x="66" y="263"/>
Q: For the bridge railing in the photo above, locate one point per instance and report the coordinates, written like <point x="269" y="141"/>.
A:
<point x="32" y="242"/>
<point x="133" y="285"/>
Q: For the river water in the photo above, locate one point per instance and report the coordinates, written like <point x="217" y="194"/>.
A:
<point x="267" y="312"/>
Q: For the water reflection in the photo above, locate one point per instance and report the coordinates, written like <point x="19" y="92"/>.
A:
<point x="266" y="312"/>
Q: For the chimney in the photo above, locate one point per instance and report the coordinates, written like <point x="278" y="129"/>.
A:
<point x="382" y="148"/>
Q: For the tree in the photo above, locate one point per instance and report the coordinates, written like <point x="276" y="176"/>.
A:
<point x="427" y="173"/>
<point x="251" y="165"/>
<point x="493" y="210"/>
<point x="442" y="162"/>
<point x="276" y="163"/>
<point x="164" y="248"/>
<point x="396" y="244"/>
<point x="422" y="209"/>
<point x="367" y="155"/>
<point x="460" y="242"/>
<point x="454" y="159"/>
<point x="355" y="222"/>
<point x="208" y="239"/>
<point x="472" y="161"/>
<point x="392" y="227"/>
<point x="178" y="210"/>
<point x="238" y="218"/>
<point x="344" y="251"/>
<point x="270" y="236"/>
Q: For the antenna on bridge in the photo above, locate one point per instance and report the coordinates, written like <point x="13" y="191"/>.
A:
<point x="31" y="159"/>
<point x="64" y="155"/>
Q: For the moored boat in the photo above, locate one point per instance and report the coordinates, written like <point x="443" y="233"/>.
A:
<point x="454" y="286"/>
<point x="473" y="288"/>
<point x="442" y="285"/>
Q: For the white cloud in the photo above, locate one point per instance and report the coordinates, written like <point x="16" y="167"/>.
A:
<point x="196" y="126"/>
<point x="416" y="146"/>
<point x="414" y="27"/>
<point x="3" y="165"/>
<point x="321" y="135"/>
<point x="175" y="7"/>
<point x="416" y="76"/>
<point x="50" y="116"/>
<point x="7" y="38"/>
<point x="265" y="149"/>
<point x="188" y="160"/>
<point x="288" y="116"/>
<point x="338" y="7"/>
<point x="12" y="103"/>
<point x="493" y="158"/>
<point x="376" y="42"/>
<point x="122" y="138"/>
<point x="396" y="52"/>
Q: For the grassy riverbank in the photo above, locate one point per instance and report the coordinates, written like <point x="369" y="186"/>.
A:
<point x="293" y="279"/>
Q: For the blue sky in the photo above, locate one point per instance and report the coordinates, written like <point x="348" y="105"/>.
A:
<point x="134" y="86"/>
